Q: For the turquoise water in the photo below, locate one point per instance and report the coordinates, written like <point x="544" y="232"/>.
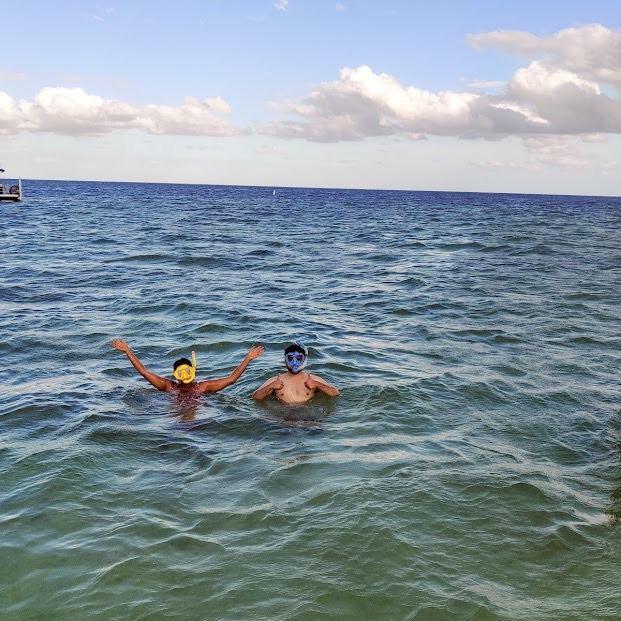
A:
<point x="470" y="468"/>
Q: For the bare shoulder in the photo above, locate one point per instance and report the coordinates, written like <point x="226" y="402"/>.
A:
<point x="170" y="386"/>
<point x="269" y="380"/>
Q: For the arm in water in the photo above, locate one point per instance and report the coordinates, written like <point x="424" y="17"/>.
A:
<point x="160" y="383"/>
<point x="272" y="384"/>
<point x="223" y="382"/>
<point x="314" y="382"/>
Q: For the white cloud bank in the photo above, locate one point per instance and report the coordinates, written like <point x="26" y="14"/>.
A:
<point x="570" y="86"/>
<point x="562" y="91"/>
<point x="72" y="111"/>
<point x="362" y="104"/>
<point x="593" y="52"/>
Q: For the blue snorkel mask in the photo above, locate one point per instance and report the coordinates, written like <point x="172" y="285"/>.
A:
<point x="295" y="361"/>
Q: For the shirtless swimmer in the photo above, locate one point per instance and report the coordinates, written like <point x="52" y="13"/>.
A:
<point x="184" y="371"/>
<point x="295" y="386"/>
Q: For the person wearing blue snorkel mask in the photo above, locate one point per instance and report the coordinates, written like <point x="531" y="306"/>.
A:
<point x="295" y="386"/>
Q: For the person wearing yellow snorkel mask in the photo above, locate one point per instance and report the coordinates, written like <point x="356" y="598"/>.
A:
<point x="184" y="371"/>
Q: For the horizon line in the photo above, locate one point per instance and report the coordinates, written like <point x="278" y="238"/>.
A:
<point x="302" y="187"/>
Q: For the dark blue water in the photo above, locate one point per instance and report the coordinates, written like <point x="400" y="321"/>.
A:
<point x="470" y="468"/>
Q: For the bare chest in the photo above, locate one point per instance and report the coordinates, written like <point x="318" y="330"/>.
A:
<point x="294" y="391"/>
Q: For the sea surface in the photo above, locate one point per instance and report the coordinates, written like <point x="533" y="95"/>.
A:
<point x="469" y="470"/>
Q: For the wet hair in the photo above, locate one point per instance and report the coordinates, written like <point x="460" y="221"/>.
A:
<point x="295" y="347"/>
<point x="181" y="361"/>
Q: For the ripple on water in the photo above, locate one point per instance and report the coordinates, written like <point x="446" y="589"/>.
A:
<point x="469" y="469"/>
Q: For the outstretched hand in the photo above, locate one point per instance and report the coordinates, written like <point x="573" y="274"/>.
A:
<point x="121" y="345"/>
<point x="255" y="352"/>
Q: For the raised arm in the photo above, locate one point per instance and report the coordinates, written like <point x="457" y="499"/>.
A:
<point x="161" y="383"/>
<point x="315" y="382"/>
<point x="267" y="388"/>
<point x="223" y="382"/>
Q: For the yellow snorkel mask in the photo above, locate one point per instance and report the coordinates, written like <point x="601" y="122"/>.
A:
<point x="186" y="373"/>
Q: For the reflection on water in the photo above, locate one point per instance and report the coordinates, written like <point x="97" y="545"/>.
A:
<point x="191" y="408"/>
<point x="186" y="407"/>
<point x="310" y="415"/>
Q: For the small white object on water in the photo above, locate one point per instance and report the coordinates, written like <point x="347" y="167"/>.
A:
<point x="11" y="192"/>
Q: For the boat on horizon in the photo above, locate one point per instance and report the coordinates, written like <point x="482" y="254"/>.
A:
<point x="10" y="192"/>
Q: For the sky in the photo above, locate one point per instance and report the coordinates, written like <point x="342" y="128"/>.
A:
<point x="512" y="96"/>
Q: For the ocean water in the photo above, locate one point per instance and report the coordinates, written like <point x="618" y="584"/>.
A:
<point x="470" y="468"/>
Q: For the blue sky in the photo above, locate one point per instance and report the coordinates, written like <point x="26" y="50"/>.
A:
<point x="250" y="55"/>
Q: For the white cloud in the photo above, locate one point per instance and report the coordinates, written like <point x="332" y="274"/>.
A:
<point x="563" y="92"/>
<point x="340" y="7"/>
<point x="538" y="79"/>
<point x="593" y="51"/>
<point x="572" y="103"/>
<point x="72" y="111"/>
<point x="543" y="152"/>
<point x="362" y="103"/>
<point x="524" y="111"/>
<point x="555" y="151"/>
<point x="281" y="5"/>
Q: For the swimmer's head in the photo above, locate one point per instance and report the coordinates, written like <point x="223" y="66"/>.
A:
<point x="184" y="371"/>
<point x="296" y="358"/>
